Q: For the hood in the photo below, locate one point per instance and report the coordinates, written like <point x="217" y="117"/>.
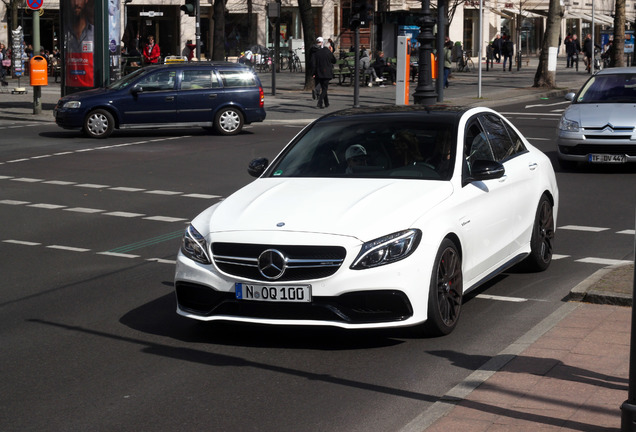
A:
<point x="86" y="94"/>
<point x="598" y="115"/>
<point x="362" y="208"/>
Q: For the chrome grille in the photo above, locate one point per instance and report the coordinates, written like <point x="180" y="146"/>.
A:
<point x="302" y="262"/>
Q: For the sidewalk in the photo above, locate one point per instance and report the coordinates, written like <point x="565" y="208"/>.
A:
<point x="290" y="102"/>
<point x="570" y="372"/>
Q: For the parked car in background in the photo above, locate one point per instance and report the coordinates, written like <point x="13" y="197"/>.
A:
<point x="599" y="127"/>
<point x="219" y="95"/>
<point x="377" y="217"/>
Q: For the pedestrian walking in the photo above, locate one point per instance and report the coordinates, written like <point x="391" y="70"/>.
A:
<point x="312" y="50"/>
<point x="322" y="62"/>
<point x="508" y="51"/>
<point x="497" y="46"/>
<point x="448" y="64"/>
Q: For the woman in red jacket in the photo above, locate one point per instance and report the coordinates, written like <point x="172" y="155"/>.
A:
<point x="151" y="51"/>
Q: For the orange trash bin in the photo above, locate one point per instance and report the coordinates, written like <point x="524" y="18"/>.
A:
<point x="39" y="71"/>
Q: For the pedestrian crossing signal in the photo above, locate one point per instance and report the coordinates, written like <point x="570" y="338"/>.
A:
<point x="189" y="7"/>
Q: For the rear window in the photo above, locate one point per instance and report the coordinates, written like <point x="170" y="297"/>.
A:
<point x="237" y="78"/>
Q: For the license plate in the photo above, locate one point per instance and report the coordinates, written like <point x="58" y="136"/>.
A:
<point x="606" y="158"/>
<point x="294" y="294"/>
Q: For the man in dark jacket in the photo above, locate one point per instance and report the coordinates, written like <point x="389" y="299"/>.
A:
<point x="312" y="50"/>
<point x="321" y="63"/>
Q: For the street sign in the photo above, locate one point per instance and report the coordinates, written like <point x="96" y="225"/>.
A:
<point x="150" y="14"/>
<point x="34" y="4"/>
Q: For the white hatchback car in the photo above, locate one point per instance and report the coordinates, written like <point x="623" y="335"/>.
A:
<point x="371" y="218"/>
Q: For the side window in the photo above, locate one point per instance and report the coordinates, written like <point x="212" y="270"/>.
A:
<point x="497" y="136"/>
<point x="160" y="80"/>
<point x="197" y="79"/>
<point x="237" y="78"/>
<point x="476" y="145"/>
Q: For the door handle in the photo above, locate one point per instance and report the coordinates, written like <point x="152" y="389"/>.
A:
<point x="212" y="96"/>
<point x="169" y="98"/>
<point x="533" y="166"/>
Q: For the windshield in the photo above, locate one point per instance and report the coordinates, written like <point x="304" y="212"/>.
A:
<point x="611" y="88"/>
<point x="127" y="80"/>
<point x="417" y="147"/>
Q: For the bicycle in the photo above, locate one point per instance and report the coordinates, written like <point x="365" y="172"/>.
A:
<point x="465" y="62"/>
<point x="294" y="61"/>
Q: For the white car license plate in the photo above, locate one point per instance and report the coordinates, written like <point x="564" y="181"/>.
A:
<point x="606" y="158"/>
<point x="296" y="294"/>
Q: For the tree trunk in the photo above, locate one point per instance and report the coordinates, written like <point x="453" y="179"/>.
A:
<point x="218" y="49"/>
<point x="545" y="77"/>
<point x="309" y="37"/>
<point x="618" y="44"/>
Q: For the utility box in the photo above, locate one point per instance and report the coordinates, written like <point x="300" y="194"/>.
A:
<point x="39" y="71"/>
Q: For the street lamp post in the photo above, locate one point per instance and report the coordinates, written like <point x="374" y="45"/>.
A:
<point x="425" y="91"/>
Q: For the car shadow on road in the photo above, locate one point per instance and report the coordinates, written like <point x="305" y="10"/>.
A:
<point x="141" y="133"/>
<point x="166" y="323"/>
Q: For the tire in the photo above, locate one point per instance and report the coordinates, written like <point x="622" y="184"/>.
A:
<point x="445" y="291"/>
<point x="99" y="123"/>
<point x="541" y="242"/>
<point x="228" y="121"/>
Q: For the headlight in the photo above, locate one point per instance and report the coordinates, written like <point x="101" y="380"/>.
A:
<point x="387" y="249"/>
<point x="72" y="104"/>
<point x="568" y="125"/>
<point x="194" y="246"/>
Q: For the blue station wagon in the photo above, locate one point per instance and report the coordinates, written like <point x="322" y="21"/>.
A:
<point x="218" y="95"/>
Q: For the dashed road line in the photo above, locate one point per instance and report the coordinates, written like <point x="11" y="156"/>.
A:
<point x="582" y="228"/>
<point x="111" y="188"/>
<point x="603" y="261"/>
<point x="88" y="210"/>
<point x="85" y="250"/>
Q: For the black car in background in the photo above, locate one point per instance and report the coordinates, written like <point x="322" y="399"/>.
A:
<point x="219" y="95"/>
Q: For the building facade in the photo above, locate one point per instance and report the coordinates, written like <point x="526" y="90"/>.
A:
<point x="523" y="20"/>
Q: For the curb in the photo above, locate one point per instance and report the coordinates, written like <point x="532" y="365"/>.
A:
<point x="588" y="290"/>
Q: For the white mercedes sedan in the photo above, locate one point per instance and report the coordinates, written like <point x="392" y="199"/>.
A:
<point x="368" y="218"/>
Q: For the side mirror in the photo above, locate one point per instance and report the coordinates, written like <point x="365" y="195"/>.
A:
<point x="485" y="170"/>
<point x="570" y="96"/>
<point x="257" y="167"/>
<point x="137" y="88"/>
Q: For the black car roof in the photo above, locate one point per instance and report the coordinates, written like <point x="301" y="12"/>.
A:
<point x="439" y="110"/>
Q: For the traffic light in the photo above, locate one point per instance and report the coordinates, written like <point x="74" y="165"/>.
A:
<point x="189" y="7"/>
<point x="359" y="14"/>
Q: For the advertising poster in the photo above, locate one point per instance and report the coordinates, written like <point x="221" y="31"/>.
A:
<point x="79" y="35"/>
<point x="114" y="45"/>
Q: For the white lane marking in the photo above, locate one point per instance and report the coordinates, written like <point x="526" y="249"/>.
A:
<point x="47" y="206"/>
<point x="548" y="104"/>
<point x="59" y="182"/>
<point x="603" y="261"/>
<point x="582" y="228"/>
<point x="21" y="242"/>
<point x="68" y="248"/>
<point x="502" y="298"/>
<point x="629" y="232"/>
<point x="78" y="249"/>
<point x="203" y="196"/>
<point x="84" y="210"/>
<point x="92" y="186"/>
<point x="162" y="261"/>
<point x="126" y="189"/>
<point x="525" y="114"/>
<point x="94" y="149"/>
<point x="119" y="255"/>
<point x="27" y="180"/>
<point x="558" y="257"/>
<point x="163" y="192"/>
<point x="124" y="214"/>
<point x="164" y="219"/>
<point x="14" y="202"/>
<point x="108" y="187"/>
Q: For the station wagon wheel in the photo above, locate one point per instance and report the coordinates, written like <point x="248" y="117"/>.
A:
<point x="228" y="121"/>
<point x="99" y="123"/>
<point x="445" y="291"/>
<point x="541" y="242"/>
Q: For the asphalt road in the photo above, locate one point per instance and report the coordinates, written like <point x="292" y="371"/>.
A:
<point x="91" y="340"/>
